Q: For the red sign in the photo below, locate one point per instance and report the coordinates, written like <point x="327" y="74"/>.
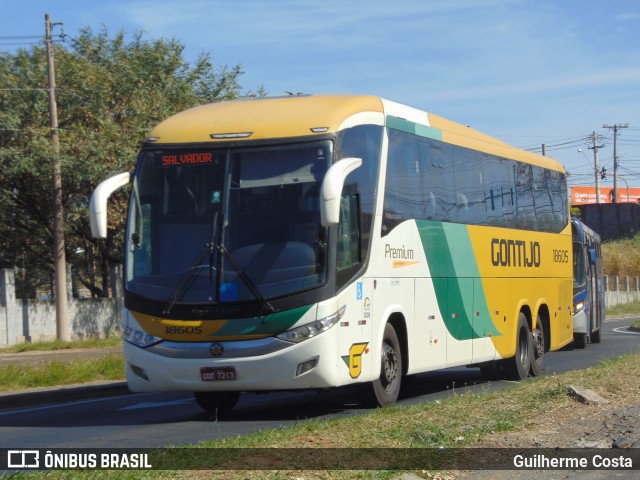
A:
<point x="186" y="158"/>
<point x="587" y="195"/>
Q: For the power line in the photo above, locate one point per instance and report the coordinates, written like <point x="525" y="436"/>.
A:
<point x="559" y="144"/>
<point x="16" y="89"/>
<point x="15" y="40"/>
<point x="21" y="37"/>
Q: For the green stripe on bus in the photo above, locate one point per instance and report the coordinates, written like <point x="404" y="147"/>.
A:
<point x="414" y="128"/>
<point x="456" y="279"/>
<point x="269" y="324"/>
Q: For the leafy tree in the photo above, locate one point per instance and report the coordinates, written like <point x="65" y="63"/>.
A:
<point x="110" y="92"/>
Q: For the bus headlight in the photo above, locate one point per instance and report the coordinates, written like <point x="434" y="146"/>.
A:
<point x="138" y="337"/>
<point x="310" y="330"/>
<point x="578" y="307"/>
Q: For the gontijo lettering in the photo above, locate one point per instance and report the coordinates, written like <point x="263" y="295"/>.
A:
<point x="514" y="253"/>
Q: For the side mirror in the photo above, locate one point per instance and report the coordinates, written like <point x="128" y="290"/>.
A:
<point x="98" y="203"/>
<point x="331" y="191"/>
<point x="593" y="256"/>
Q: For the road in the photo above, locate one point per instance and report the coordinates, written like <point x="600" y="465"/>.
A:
<point x="155" y="420"/>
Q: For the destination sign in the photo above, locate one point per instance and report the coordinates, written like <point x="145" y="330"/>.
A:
<point x="186" y="158"/>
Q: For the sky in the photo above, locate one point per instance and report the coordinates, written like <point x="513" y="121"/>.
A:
<point x="528" y="72"/>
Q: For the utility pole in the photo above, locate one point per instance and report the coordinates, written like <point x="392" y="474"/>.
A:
<point x="60" y="264"/>
<point x="594" y="137"/>
<point x="615" y="128"/>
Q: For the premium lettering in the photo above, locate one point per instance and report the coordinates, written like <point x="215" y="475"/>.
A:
<point x="514" y="253"/>
<point x="400" y="253"/>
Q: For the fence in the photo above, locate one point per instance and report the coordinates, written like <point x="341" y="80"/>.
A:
<point x="620" y="291"/>
<point x="612" y="220"/>
<point x="35" y="320"/>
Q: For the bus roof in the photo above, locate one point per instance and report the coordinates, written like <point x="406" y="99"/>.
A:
<point x="582" y="229"/>
<point x="275" y="117"/>
<point x="305" y="115"/>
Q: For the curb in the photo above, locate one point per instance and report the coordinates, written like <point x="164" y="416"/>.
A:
<point x="45" y="395"/>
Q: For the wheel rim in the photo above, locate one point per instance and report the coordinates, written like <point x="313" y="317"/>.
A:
<point x="538" y="342"/>
<point x="389" y="367"/>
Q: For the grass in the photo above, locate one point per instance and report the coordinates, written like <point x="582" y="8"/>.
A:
<point x="48" y="374"/>
<point x="623" y="310"/>
<point x="462" y="420"/>
<point x="622" y="257"/>
<point x="61" y="345"/>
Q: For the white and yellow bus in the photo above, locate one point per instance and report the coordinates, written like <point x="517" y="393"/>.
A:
<point x="310" y="242"/>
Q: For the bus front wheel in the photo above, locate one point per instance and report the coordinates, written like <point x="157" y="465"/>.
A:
<point x="217" y="402"/>
<point x="384" y="390"/>
<point x="580" y="340"/>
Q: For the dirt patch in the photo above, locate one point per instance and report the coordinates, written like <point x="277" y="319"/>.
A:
<point x="585" y="426"/>
<point x="575" y="425"/>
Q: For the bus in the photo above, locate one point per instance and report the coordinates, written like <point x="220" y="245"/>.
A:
<point x="321" y="241"/>
<point x="588" y="285"/>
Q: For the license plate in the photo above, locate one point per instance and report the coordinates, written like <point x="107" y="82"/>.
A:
<point x="216" y="374"/>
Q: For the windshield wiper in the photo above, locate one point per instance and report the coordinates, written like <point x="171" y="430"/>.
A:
<point x="189" y="277"/>
<point x="246" y="279"/>
<point x="192" y="272"/>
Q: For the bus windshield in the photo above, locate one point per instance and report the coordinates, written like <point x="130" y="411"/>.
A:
<point x="227" y="225"/>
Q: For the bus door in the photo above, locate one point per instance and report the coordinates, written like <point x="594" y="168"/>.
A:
<point x="354" y="336"/>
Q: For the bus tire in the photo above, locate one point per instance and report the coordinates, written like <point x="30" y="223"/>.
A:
<point x="384" y="391"/>
<point x="217" y="402"/>
<point x="517" y="367"/>
<point x="537" y="349"/>
<point x="580" y="340"/>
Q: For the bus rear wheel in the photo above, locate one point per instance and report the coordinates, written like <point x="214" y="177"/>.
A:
<point x="537" y="350"/>
<point x="517" y="368"/>
<point x="384" y="391"/>
<point x="217" y="403"/>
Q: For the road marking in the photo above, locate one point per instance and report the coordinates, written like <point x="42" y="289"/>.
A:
<point x="625" y="330"/>
<point x="62" y="405"/>
<point x="156" y="404"/>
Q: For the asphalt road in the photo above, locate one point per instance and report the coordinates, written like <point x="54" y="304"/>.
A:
<point x="155" y="420"/>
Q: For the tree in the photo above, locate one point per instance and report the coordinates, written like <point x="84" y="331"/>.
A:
<point x="110" y="93"/>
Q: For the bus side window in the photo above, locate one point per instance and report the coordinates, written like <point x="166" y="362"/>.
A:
<point x="403" y="191"/>
<point x="525" y="207"/>
<point x="437" y="183"/>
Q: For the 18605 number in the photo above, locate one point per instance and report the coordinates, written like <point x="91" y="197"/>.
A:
<point x="560" y="256"/>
